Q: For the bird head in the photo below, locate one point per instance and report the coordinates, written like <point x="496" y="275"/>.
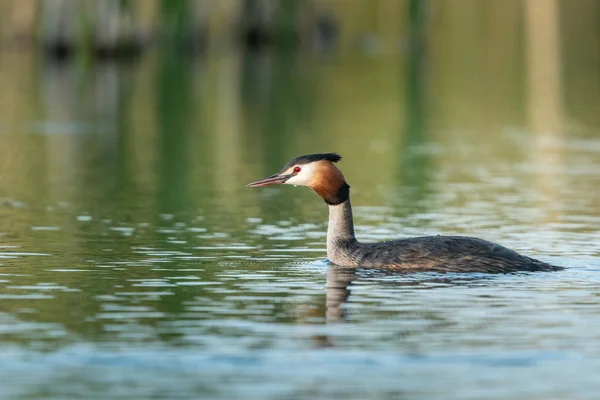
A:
<point x="316" y="171"/>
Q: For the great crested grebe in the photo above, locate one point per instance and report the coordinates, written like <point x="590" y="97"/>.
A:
<point x="428" y="253"/>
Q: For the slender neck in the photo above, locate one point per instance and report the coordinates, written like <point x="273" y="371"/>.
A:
<point x="341" y="227"/>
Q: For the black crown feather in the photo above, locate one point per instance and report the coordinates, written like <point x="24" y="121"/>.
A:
<point x="332" y="157"/>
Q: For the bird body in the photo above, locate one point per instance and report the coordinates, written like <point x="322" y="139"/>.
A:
<point x="427" y="253"/>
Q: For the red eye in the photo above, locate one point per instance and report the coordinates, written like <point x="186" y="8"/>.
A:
<point x="297" y="169"/>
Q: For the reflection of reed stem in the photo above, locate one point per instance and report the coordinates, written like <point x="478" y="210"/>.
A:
<point x="543" y="65"/>
<point x="544" y="95"/>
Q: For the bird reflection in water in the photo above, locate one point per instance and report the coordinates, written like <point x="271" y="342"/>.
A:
<point x="338" y="290"/>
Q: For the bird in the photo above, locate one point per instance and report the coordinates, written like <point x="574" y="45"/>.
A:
<point x="415" y="254"/>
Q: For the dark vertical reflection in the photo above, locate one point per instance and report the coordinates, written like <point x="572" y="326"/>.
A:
<point x="126" y="178"/>
<point x="253" y="26"/>
<point x="415" y="161"/>
<point x="284" y="93"/>
<point x="176" y="19"/>
<point x="121" y="125"/>
<point x="284" y="100"/>
<point x="580" y="62"/>
<point x="285" y="29"/>
<point x="173" y="121"/>
<point x="255" y="87"/>
<point x="337" y="291"/>
<point x="333" y="311"/>
<point x="105" y="147"/>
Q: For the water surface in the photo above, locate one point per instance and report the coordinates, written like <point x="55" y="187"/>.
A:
<point x="134" y="263"/>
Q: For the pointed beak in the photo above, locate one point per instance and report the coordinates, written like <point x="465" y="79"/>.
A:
<point x="270" y="180"/>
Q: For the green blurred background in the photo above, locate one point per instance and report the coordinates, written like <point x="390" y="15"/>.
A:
<point x="144" y="97"/>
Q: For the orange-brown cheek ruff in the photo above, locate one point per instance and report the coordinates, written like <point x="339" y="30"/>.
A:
<point x="329" y="183"/>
